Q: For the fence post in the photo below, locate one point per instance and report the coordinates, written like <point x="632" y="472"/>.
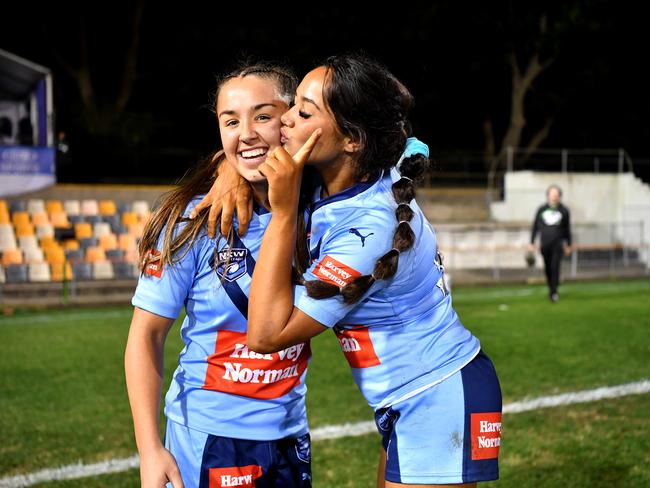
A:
<point x="565" y="160"/>
<point x="509" y="158"/>
<point x="621" y="159"/>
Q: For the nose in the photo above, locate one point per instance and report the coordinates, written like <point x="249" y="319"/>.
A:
<point x="247" y="132"/>
<point x="287" y="119"/>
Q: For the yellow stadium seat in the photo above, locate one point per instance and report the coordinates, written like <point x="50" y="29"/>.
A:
<point x="12" y="256"/>
<point x="95" y="254"/>
<point x="83" y="230"/>
<point x="54" y="206"/>
<point x="40" y="218"/>
<point x="59" y="220"/>
<point x="48" y="241"/>
<point x="54" y="255"/>
<point x="108" y="241"/>
<point x="20" y="218"/>
<point x="71" y="244"/>
<point x="129" y="218"/>
<point x="24" y="230"/>
<point x="4" y="217"/>
<point x="61" y="271"/>
<point x="107" y="207"/>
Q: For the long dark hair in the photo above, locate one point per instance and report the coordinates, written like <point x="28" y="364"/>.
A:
<point x="371" y="106"/>
<point x="172" y="205"/>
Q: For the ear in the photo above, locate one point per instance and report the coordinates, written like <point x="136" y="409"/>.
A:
<point x="351" y="145"/>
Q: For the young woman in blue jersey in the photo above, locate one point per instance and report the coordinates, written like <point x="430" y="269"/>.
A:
<point x="234" y="417"/>
<point x="374" y="275"/>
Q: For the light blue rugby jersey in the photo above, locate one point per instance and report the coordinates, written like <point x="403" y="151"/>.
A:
<point x="404" y="335"/>
<point x="219" y="387"/>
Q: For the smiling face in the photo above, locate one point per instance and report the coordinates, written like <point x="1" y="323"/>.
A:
<point x="309" y="113"/>
<point x="249" y="110"/>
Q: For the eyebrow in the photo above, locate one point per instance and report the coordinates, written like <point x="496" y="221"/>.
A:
<point x="255" y="108"/>
<point x="309" y="100"/>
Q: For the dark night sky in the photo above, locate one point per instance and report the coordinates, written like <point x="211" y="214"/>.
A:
<point x="452" y="55"/>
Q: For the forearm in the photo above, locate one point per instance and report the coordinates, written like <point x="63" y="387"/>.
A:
<point x="143" y="362"/>
<point x="271" y="295"/>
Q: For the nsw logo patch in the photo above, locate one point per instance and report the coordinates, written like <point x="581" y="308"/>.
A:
<point x="231" y="263"/>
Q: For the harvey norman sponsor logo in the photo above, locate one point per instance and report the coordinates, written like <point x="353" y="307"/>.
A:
<point x="335" y="272"/>
<point x="241" y="476"/>
<point x="233" y="368"/>
<point x="154" y="268"/>
<point x="486" y="435"/>
<point x="357" y="346"/>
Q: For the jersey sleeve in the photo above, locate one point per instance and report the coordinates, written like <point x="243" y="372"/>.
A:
<point x="163" y="289"/>
<point x="345" y="254"/>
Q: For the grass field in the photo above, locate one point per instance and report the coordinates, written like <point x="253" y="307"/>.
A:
<point x="63" y="399"/>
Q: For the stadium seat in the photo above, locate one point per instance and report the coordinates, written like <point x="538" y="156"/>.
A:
<point x="129" y="218"/>
<point x="17" y="206"/>
<point x="35" y="206"/>
<point x="39" y="272"/>
<point x="3" y="206"/>
<point x="74" y="255"/>
<point x="89" y="207"/>
<point x="59" y="219"/>
<point x="92" y="219"/>
<point x="16" y="273"/>
<point x="108" y="241"/>
<point x="47" y="242"/>
<point x="7" y="237"/>
<point x="83" y="230"/>
<point x="12" y="256"/>
<point x="20" y="218"/>
<point x="126" y="242"/>
<point x="124" y="207"/>
<point x="27" y="242"/>
<point x="44" y="230"/>
<point x="107" y="207"/>
<point x="87" y="242"/>
<point x="62" y="271"/>
<point x="82" y="271"/>
<point x="71" y="244"/>
<point x="103" y="270"/>
<point x="115" y="255"/>
<point x="24" y="230"/>
<point x="4" y="217"/>
<point x="95" y="254"/>
<point x="124" y="271"/>
<point x="75" y="219"/>
<point x="72" y="207"/>
<point x="40" y="218"/>
<point x="54" y="255"/>
<point x="141" y="208"/>
<point x="101" y="229"/>
<point x="54" y="206"/>
<point x="33" y="255"/>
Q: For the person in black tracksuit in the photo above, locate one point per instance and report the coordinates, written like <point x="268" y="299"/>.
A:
<point x="552" y="221"/>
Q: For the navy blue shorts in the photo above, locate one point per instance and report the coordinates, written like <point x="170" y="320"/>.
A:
<point x="448" y="433"/>
<point x="210" y="461"/>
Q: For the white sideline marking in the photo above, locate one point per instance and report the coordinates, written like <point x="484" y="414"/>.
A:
<point x="80" y="470"/>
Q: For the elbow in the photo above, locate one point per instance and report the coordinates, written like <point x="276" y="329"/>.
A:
<point x="261" y="346"/>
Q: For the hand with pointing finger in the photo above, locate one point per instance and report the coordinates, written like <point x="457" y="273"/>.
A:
<point x="284" y="175"/>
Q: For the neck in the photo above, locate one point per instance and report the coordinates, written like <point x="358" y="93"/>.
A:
<point x="337" y="176"/>
<point x="261" y="193"/>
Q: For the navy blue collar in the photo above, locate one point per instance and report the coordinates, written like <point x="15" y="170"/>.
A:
<point x="260" y="209"/>
<point x="345" y="194"/>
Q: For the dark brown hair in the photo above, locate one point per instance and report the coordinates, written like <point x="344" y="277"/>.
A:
<point x="371" y="106"/>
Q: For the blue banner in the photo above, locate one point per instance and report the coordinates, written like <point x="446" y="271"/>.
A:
<point x="24" y="169"/>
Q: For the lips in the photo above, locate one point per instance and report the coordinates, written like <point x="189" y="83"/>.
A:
<point x="283" y="137"/>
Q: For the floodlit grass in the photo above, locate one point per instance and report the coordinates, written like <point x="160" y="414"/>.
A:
<point x="63" y="398"/>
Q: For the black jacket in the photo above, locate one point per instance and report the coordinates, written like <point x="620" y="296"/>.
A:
<point x="553" y="224"/>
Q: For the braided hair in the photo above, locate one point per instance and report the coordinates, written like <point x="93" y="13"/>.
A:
<point x="371" y="106"/>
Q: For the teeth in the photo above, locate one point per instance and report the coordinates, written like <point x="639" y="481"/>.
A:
<point x="253" y="153"/>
